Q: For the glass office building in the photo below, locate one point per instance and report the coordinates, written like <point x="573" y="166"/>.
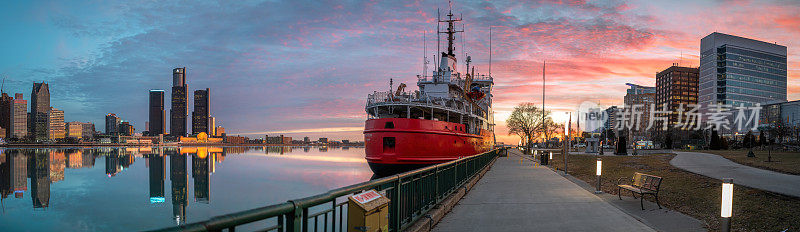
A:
<point x="741" y="71"/>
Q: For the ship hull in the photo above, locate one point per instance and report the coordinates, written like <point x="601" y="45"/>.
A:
<point x="395" y="145"/>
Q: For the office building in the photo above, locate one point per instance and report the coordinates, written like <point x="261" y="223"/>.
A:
<point x="56" y="127"/>
<point x="112" y="124"/>
<point x="6" y="103"/>
<point x="157" y="122"/>
<point x="18" y="126"/>
<point x="201" y="113"/>
<point x="180" y="105"/>
<point x="675" y="86"/>
<point x="75" y="130"/>
<point x="212" y="126"/>
<point x="126" y="129"/>
<point x="611" y="118"/>
<point x="87" y="130"/>
<point x="220" y="131"/>
<point x="40" y="109"/>
<point x="741" y="71"/>
<point x="306" y="140"/>
<point x="640" y="97"/>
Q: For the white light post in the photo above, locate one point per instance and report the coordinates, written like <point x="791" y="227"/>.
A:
<point x="599" y="174"/>
<point x="726" y="209"/>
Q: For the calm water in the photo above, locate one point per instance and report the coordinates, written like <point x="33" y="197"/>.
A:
<point x="113" y="189"/>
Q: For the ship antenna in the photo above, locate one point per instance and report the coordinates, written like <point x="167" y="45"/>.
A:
<point x="424" y="55"/>
<point x="490" y="51"/>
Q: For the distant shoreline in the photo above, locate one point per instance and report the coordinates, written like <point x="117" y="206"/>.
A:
<point x="170" y="145"/>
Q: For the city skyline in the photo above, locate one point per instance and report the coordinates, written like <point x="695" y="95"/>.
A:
<point x="301" y="79"/>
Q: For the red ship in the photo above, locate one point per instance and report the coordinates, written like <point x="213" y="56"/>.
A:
<point x="449" y="117"/>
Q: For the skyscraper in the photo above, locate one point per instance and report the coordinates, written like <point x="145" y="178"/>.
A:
<point x="675" y="85"/>
<point x="201" y="113"/>
<point x="112" y="124"/>
<point x="5" y="113"/>
<point x="741" y="71"/>
<point x="157" y="118"/>
<point x="180" y="107"/>
<point x="40" y="108"/>
<point x="56" y="129"/>
<point x="18" y="127"/>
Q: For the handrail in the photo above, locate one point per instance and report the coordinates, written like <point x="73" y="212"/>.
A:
<point x="411" y="193"/>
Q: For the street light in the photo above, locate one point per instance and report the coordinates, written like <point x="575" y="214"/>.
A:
<point x="599" y="173"/>
<point x="551" y="155"/>
<point x="726" y="209"/>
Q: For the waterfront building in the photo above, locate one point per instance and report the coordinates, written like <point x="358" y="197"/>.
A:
<point x="201" y="113"/>
<point x="212" y="126"/>
<point x="180" y="106"/>
<point x="640" y="97"/>
<point x="158" y="121"/>
<point x="87" y="130"/>
<point x="56" y="127"/>
<point x="220" y="131"/>
<point x="125" y="128"/>
<point x="6" y="103"/>
<point x="273" y="140"/>
<point x="112" y="124"/>
<point x="306" y="140"/>
<point x="741" y="71"/>
<point x="18" y="126"/>
<point x="675" y="86"/>
<point x="323" y="140"/>
<point x="40" y="110"/>
<point x="75" y="130"/>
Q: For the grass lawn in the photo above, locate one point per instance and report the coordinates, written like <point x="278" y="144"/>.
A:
<point x="785" y="162"/>
<point x="692" y="194"/>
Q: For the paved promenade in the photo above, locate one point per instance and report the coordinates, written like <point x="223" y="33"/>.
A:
<point x="717" y="167"/>
<point x="516" y="196"/>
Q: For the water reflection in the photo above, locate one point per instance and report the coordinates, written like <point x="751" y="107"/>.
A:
<point x="249" y="182"/>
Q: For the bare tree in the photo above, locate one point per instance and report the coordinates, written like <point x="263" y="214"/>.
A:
<point x="526" y="122"/>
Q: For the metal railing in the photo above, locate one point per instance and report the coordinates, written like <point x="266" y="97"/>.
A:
<point x="412" y="194"/>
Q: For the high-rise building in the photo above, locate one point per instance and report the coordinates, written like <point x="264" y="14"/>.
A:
<point x="180" y="105"/>
<point x="675" y="86"/>
<point x="75" y="130"/>
<point x="611" y="118"/>
<point x="212" y="126"/>
<point x="112" y="124"/>
<point x="56" y="127"/>
<point x="5" y="113"/>
<point x="157" y="121"/>
<point x="220" y="131"/>
<point x="202" y="112"/>
<point x="306" y="140"/>
<point x="125" y="128"/>
<point x="18" y="127"/>
<point x="640" y="97"/>
<point x="40" y="109"/>
<point x="741" y="71"/>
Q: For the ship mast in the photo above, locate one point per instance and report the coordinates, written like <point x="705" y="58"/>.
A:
<point x="451" y="31"/>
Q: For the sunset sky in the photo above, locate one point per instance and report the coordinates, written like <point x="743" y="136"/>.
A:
<point x="305" y="67"/>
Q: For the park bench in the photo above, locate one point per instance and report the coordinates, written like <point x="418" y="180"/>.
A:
<point x="642" y="184"/>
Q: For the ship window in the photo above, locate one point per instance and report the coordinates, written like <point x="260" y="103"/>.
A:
<point x="389" y="125"/>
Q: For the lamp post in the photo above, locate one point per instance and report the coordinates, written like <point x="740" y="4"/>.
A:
<point x="599" y="174"/>
<point x="726" y="209"/>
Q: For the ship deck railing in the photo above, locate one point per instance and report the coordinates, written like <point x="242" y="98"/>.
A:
<point x="412" y="194"/>
<point x="387" y="98"/>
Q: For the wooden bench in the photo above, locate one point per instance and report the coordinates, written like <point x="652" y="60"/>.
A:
<point x="641" y="184"/>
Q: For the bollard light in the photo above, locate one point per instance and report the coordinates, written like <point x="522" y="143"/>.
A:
<point x="726" y="209"/>
<point x="551" y="155"/>
<point x="599" y="166"/>
<point x="599" y="172"/>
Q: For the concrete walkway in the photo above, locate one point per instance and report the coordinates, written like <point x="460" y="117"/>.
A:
<point x="516" y="196"/>
<point x="718" y="167"/>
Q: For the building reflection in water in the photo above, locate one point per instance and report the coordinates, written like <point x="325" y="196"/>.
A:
<point x="39" y="172"/>
<point x="201" y="174"/>
<point x="306" y="149"/>
<point x="179" y="180"/>
<point x="157" y="167"/>
<point x="323" y="149"/>
<point x="13" y="173"/>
